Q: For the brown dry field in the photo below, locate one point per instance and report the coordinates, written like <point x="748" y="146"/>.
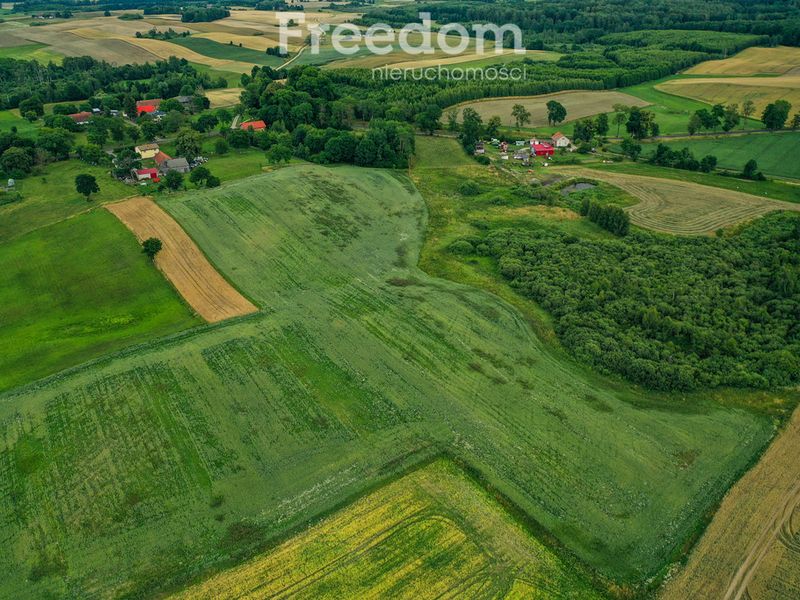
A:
<point x="115" y="51"/>
<point x="753" y="61"/>
<point x="223" y="97"/>
<point x="685" y="208"/>
<point x="579" y="104"/>
<point x="751" y="549"/>
<point x="182" y="262"/>
<point x="727" y="90"/>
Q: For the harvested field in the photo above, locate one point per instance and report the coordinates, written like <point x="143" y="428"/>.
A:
<point x="115" y="51"/>
<point x="752" y="547"/>
<point x="579" y="104"/>
<point x="181" y="261"/>
<point x="433" y="532"/>
<point x="163" y="49"/>
<point x="684" y="208"/>
<point x="726" y="90"/>
<point x="167" y="21"/>
<point x="223" y="97"/>
<point x="753" y="61"/>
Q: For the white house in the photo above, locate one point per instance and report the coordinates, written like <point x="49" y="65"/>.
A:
<point x="560" y="140"/>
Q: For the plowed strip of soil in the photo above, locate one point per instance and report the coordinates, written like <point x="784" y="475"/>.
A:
<point x="181" y="261"/>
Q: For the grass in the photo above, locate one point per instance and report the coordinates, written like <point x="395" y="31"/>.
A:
<point x="732" y="152"/>
<point x="233" y="79"/>
<point x="214" y="49"/>
<point x="12" y="118"/>
<point x="431" y="532"/>
<point x="236" y="164"/>
<point x="34" y="51"/>
<point x="76" y="290"/>
<point x="360" y="366"/>
<point x="49" y="196"/>
<point x="672" y="112"/>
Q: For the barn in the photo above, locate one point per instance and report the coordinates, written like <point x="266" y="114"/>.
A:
<point x="542" y="148"/>
<point x="253" y="125"/>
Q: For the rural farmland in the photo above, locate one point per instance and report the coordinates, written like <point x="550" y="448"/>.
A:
<point x="400" y="318"/>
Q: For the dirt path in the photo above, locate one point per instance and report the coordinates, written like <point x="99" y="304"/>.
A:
<point x="683" y="207"/>
<point x="182" y="262"/>
<point x="747" y="526"/>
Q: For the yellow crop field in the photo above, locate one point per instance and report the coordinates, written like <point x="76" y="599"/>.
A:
<point x="223" y="97"/>
<point x="753" y="61"/>
<point x="726" y="90"/>
<point x="113" y="50"/>
<point x="433" y="532"/>
<point x="685" y="208"/>
<point x="579" y="104"/>
<point x="163" y="49"/>
<point x="255" y="18"/>
<point x="752" y="547"/>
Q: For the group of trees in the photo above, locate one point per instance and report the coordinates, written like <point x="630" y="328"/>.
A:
<point x="608" y="216"/>
<point x="197" y="14"/>
<point x="19" y="155"/>
<point x="664" y="156"/>
<point x="719" y="116"/>
<point x="105" y="85"/>
<point x="669" y="313"/>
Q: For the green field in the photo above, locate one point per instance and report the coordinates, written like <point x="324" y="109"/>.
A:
<point x="77" y="290"/>
<point x="12" y="118"/>
<point x="773" y="152"/>
<point x="433" y="532"/>
<point x="200" y="449"/>
<point x="672" y="112"/>
<point x="227" y="52"/>
<point x="33" y="51"/>
<point x="48" y="196"/>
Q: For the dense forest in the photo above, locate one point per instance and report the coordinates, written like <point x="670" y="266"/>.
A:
<point x="581" y="21"/>
<point x="669" y="313"/>
<point x="79" y="78"/>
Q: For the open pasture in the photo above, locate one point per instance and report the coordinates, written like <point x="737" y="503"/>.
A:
<point x="259" y="43"/>
<point x="753" y="61"/>
<point x="433" y="532"/>
<point x="181" y="261"/>
<point x="226" y="52"/>
<point x="751" y="549"/>
<point x="727" y="90"/>
<point x="770" y="150"/>
<point x="49" y="196"/>
<point x="579" y="104"/>
<point x="685" y="208"/>
<point x="223" y="97"/>
<point x="74" y="291"/>
<point x="202" y="448"/>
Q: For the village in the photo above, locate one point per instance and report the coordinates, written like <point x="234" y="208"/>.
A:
<point x="526" y="151"/>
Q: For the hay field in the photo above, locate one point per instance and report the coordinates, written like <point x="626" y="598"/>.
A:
<point x="115" y="51"/>
<point x="223" y="97"/>
<point x="259" y="18"/>
<point x="753" y="61"/>
<point x="579" y="104"/>
<point x="181" y="261"/>
<point x="433" y="532"/>
<point x="163" y="49"/>
<point x="180" y="455"/>
<point x="751" y="549"/>
<point x="726" y="90"/>
<point x="684" y="208"/>
<point x="407" y="61"/>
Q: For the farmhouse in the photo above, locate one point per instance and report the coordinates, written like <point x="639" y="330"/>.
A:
<point x="148" y="106"/>
<point x="81" y="118"/>
<point x="181" y="165"/>
<point x="560" y="140"/>
<point x="145" y="174"/>
<point x="146" y="151"/>
<point x="541" y="148"/>
<point x="160" y="157"/>
<point x="253" y="125"/>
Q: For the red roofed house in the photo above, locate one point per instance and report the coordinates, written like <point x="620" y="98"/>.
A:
<point x="560" y="140"/>
<point x="161" y="157"/>
<point x="81" y="118"/>
<point x="147" y="106"/>
<point x="541" y="148"/>
<point x="145" y="174"/>
<point x="254" y="125"/>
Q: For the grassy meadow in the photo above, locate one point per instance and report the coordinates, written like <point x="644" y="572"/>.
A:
<point x="49" y="196"/>
<point x="233" y="52"/>
<point x="771" y="151"/>
<point x="76" y="290"/>
<point x="209" y="447"/>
